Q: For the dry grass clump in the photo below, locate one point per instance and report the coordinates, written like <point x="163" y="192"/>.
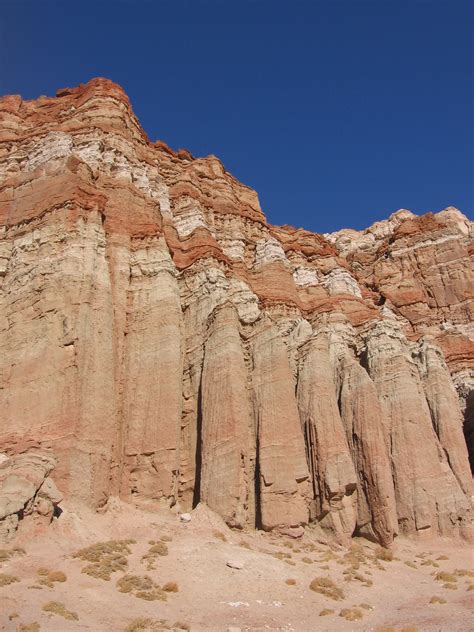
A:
<point x="281" y="555"/>
<point x="325" y="586"/>
<point x="443" y="557"/>
<point x="55" y="607"/>
<point x="150" y="625"/>
<point x="450" y="586"/>
<point x="429" y="562"/>
<point x="351" y="614"/>
<point x="6" y="580"/>
<point x="366" y="606"/>
<point x="29" y="627"/>
<point x="290" y="582"/>
<point x="461" y="572"/>
<point x="411" y="564"/>
<point x="105" y="558"/>
<point x="326" y="612"/>
<point x="142" y="587"/>
<point x="171" y="587"/>
<point x="49" y="578"/>
<point x="307" y="560"/>
<point x="437" y="600"/>
<point x="220" y="536"/>
<point x="245" y="545"/>
<point x="385" y="555"/>
<point x="155" y="551"/>
<point x="7" y="554"/>
<point x="181" y="626"/>
<point x="445" y="577"/>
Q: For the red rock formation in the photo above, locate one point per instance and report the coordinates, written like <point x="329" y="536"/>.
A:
<point x="169" y="344"/>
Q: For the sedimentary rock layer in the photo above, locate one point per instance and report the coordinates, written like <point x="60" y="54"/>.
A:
<point x="170" y="345"/>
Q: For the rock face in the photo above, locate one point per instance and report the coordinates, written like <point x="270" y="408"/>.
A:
<point x="28" y="495"/>
<point x="168" y="344"/>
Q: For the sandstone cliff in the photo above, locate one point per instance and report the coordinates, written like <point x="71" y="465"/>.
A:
<point x="168" y="344"/>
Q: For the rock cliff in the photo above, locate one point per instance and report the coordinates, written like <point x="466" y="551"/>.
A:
<point x="168" y="344"/>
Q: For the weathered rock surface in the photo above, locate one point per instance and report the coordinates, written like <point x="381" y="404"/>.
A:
<point x="168" y="344"/>
<point x="28" y="496"/>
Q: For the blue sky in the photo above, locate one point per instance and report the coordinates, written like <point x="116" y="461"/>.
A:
<point x="337" y="112"/>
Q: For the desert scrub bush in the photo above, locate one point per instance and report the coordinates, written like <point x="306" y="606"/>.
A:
<point x="142" y="587"/>
<point x="105" y="558"/>
<point x="445" y="577"/>
<point x="326" y="612"/>
<point x="170" y="587"/>
<point x="155" y="551"/>
<point x="49" y="578"/>
<point x="7" y="554"/>
<point x="385" y="555"/>
<point x="411" y="564"/>
<point x="6" y="580"/>
<point x="290" y="581"/>
<point x="56" y="607"/>
<point x="244" y="544"/>
<point x="351" y="614"/>
<point x="141" y="625"/>
<point x="325" y="586"/>
<point x="461" y="572"/>
<point x="307" y="560"/>
<point x="181" y="626"/>
<point x="437" y="600"/>
<point x="281" y="555"/>
<point x="29" y="627"/>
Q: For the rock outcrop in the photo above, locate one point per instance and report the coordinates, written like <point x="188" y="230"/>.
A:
<point x="28" y="495"/>
<point x="168" y="344"/>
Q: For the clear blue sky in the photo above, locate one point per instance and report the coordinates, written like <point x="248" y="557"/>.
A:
<point x="338" y="112"/>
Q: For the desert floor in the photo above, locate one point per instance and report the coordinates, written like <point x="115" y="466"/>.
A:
<point x="224" y="580"/>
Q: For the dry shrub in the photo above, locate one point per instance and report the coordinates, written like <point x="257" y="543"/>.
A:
<point x="325" y="612"/>
<point x="55" y="607"/>
<point x="470" y="587"/>
<point x="29" y="627"/>
<point x="445" y="577"/>
<point x="141" y="625"/>
<point x="181" y="626"/>
<point x="244" y="544"/>
<point x="366" y="606"/>
<point x="307" y="560"/>
<point x="437" y="600"/>
<point x="6" y="580"/>
<point x="385" y="629"/>
<point x="351" y="614"/>
<point x="7" y="554"/>
<point x="105" y="558"/>
<point x="157" y="550"/>
<point x="461" y="572"/>
<point x="171" y="587"/>
<point x="450" y="586"/>
<point x="411" y="564"/>
<point x="325" y="586"/>
<point x="291" y="582"/>
<point x="429" y="562"/>
<point x="281" y="555"/>
<point x="443" y="557"/>
<point x="49" y="578"/>
<point x="409" y="628"/>
<point x="385" y="555"/>
<point x="290" y="562"/>
<point x="142" y="587"/>
<point x="220" y="536"/>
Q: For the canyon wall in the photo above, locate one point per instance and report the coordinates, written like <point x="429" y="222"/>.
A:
<point x="168" y="344"/>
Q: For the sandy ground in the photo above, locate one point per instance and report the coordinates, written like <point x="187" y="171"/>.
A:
<point x="213" y="596"/>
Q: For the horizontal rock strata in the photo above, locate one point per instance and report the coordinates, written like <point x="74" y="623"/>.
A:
<point x="170" y="345"/>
